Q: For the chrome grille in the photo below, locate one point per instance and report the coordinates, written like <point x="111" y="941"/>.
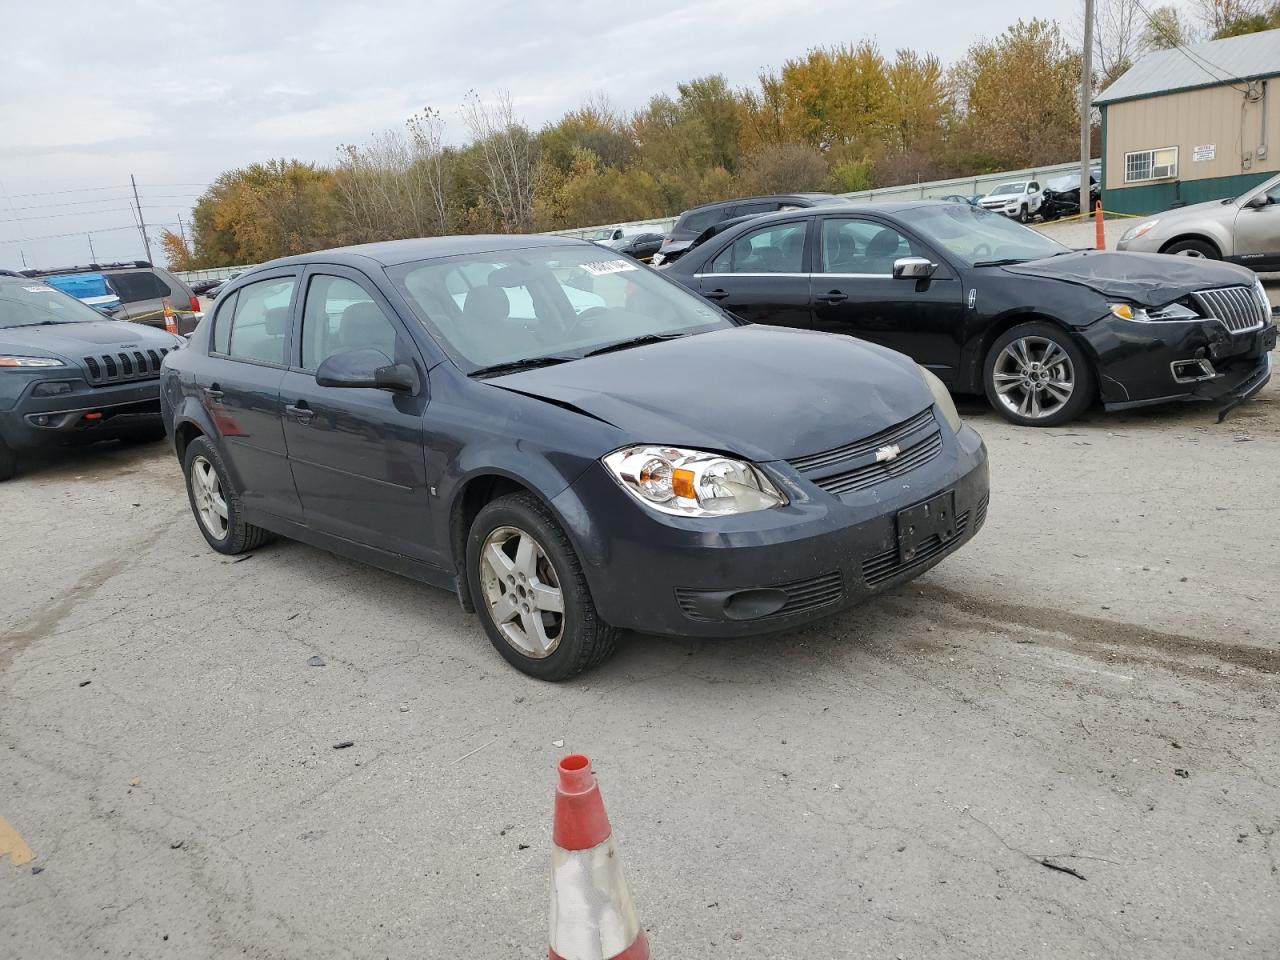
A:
<point x="885" y="566"/>
<point x="860" y="448"/>
<point x="1239" y="309"/>
<point x="123" y="367"/>
<point x="807" y="594"/>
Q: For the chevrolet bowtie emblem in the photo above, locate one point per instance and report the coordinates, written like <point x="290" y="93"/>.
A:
<point x="888" y="453"/>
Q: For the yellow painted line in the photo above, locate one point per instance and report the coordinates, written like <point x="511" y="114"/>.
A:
<point x="11" y="843"/>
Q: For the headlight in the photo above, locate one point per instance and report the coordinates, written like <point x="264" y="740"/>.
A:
<point x="942" y="397"/>
<point x="691" y="483"/>
<point x="1172" y="311"/>
<point x="13" y="363"/>
<point x="1145" y="227"/>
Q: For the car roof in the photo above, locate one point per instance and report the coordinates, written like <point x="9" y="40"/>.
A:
<point x="390" y="253"/>
<point x="769" y="196"/>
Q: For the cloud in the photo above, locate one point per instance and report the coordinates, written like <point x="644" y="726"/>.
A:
<point x="176" y="92"/>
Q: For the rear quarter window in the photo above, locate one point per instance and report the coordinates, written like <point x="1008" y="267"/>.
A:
<point x="137" y="286"/>
<point x="698" y="220"/>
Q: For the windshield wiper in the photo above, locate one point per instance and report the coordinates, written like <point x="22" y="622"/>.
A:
<point x="634" y="342"/>
<point x="511" y="366"/>
<point x="1003" y="263"/>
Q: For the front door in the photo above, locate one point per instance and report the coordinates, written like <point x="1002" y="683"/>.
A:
<point x="239" y="386"/>
<point x="1258" y="233"/>
<point x="357" y="454"/>
<point x="855" y="292"/>
<point x="761" y="276"/>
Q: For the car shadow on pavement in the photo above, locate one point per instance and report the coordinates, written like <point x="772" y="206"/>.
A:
<point x="107" y="458"/>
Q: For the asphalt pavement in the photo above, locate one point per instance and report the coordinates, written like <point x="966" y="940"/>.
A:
<point x="1061" y="742"/>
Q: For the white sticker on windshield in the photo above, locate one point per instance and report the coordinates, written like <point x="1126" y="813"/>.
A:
<point x="601" y="267"/>
<point x="40" y="288"/>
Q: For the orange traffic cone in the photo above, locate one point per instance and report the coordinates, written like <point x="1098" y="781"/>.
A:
<point x="592" y="915"/>
<point x="170" y="318"/>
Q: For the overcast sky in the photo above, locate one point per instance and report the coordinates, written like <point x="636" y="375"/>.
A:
<point x="176" y="92"/>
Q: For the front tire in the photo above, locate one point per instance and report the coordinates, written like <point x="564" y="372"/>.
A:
<point x="530" y="591"/>
<point x="1194" y="248"/>
<point x="1036" y="375"/>
<point x="1023" y="214"/>
<point x="215" y="501"/>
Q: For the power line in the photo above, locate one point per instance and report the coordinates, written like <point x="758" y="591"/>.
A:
<point x="58" y="193"/>
<point x="81" y="233"/>
<point x="1204" y="63"/>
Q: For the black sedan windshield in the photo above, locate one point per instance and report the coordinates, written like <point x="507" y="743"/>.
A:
<point x="978" y="236"/>
<point x="28" y="303"/>
<point x="493" y="310"/>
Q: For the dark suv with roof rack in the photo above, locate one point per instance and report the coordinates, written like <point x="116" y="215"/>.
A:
<point x="694" y="221"/>
<point x="67" y="374"/>
<point x="142" y="288"/>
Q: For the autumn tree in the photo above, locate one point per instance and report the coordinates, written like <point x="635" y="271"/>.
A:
<point x="1018" y="94"/>
<point x="1166" y="29"/>
<point x="782" y="168"/>
<point x="508" y="159"/>
<point x="176" y="252"/>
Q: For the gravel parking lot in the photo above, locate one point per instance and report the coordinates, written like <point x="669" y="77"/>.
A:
<point x="1062" y="742"/>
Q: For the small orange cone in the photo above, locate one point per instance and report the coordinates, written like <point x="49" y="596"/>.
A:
<point x="1099" y="231"/>
<point x="592" y="914"/>
<point x="170" y="318"/>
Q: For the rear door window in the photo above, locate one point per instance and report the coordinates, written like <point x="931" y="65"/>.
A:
<point x="136" y="286"/>
<point x="260" y="325"/>
<point x="698" y="220"/>
<point x="775" y="249"/>
<point x="755" y="207"/>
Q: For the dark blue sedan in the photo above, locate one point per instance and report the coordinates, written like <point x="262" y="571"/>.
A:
<point x="569" y="441"/>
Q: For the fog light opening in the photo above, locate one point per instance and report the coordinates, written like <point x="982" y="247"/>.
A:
<point x="1192" y="371"/>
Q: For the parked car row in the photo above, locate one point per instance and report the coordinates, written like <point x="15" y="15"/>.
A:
<point x="136" y="291"/>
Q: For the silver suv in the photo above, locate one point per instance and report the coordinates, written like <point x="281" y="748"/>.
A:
<point x="1244" y="230"/>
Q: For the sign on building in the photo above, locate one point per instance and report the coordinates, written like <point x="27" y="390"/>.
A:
<point x="1205" y="151"/>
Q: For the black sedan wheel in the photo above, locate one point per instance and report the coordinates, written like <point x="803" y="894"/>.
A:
<point x="1036" y="375"/>
<point x="529" y="589"/>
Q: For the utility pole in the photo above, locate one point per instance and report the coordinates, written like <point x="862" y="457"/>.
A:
<point x="142" y="224"/>
<point x="182" y="231"/>
<point x="1086" y="108"/>
<point x="93" y="257"/>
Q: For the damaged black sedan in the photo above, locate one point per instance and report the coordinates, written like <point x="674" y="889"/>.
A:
<point x="568" y="441"/>
<point x="994" y="308"/>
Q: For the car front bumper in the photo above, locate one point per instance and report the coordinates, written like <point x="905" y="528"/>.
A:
<point x="36" y="421"/>
<point x="769" y="570"/>
<point x="1148" y="363"/>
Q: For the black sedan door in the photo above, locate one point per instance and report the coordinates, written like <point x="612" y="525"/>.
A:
<point x="357" y="453"/>
<point x="855" y="292"/>
<point x="763" y="275"/>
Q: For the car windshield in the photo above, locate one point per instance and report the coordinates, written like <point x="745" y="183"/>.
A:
<point x="550" y="303"/>
<point x="32" y="302"/>
<point x="1007" y="188"/>
<point x="1062" y="184"/>
<point x="977" y="236"/>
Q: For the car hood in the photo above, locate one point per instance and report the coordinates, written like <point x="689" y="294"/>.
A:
<point x="1210" y="209"/>
<point x="75" y="340"/>
<point x="765" y="393"/>
<point x="1149" y="279"/>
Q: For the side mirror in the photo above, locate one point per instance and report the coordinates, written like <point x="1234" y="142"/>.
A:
<point x="913" y="268"/>
<point x="1258" y="202"/>
<point x="367" y="369"/>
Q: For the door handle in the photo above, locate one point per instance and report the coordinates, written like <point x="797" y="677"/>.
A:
<point x="213" y="392"/>
<point x="300" y="411"/>
<point x="835" y="296"/>
<point x="717" y="294"/>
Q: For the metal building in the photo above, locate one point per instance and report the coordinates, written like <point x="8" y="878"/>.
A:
<point x="1194" y="123"/>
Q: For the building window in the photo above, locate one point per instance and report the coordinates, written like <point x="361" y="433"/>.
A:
<point x="1159" y="164"/>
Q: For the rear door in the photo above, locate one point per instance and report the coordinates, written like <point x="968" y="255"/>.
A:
<point x="763" y="275"/>
<point x="240" y="388"/>
<point x="357" y="454"/>
<point x="855" y="292"/>
<point x="1258" y="233"/>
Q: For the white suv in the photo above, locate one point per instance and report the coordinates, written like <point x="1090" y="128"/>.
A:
<point x="1020" y="199"/>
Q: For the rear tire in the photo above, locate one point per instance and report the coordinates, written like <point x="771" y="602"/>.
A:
<point x="215" y="501"/>
<point x="8" y="462"/>
<point x="521" y="567"/>
<point x="1193" y="248"/>
<point x="1036" y="375"/>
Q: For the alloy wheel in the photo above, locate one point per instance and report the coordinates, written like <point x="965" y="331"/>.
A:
<point x="210" y="500"/>
<point x="1034" y="377"/>
<point x="523" y="592"/>
<point x="1191" y="252"/>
